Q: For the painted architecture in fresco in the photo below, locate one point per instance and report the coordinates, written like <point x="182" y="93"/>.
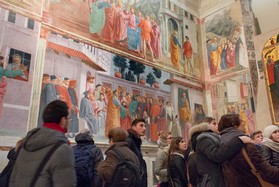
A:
<point x="18" y="48"/>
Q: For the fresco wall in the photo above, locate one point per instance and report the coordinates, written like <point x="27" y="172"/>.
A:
<point x="271" y="68"/>
<point x="18" y="47"/>
<point x="228" y="62"/>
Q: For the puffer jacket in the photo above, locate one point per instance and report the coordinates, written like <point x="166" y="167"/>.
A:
<point x="86" y="142"/>
<point x="59" y="167"/>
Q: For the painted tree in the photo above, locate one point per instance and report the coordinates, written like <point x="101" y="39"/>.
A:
<point x="157" y="73"/>
<point x="150" y="79"/>
<point x="120" y="62"/>
<point x="129" y="76"/>
<point x="136" y="68"/>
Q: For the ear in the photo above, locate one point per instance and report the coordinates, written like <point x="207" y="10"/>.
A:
<point x="63" y="122"/>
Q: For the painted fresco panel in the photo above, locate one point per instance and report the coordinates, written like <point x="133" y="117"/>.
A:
<point x="142" y="29"/>
<point x="129" y="90"/>
<point x="225" y="41"/>
<point x="271" y="66"/>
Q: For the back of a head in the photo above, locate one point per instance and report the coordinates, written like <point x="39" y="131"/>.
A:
<point x="117" y="135"/>
<point x="54" y="111"/>
<point x="229" y="120"/>
<point x="84" y="136"/>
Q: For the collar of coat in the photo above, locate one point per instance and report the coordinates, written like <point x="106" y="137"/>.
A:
<point x="202" y="127"/>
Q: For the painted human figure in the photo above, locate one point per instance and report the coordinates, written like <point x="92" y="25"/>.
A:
<point x="146" y="30"/>
<point x="17" y="65"/>
<point x="74" y="128"/>
<point x="175" y="50"/>
<point x="188" y="52"/>
<point x="3" y="83"/>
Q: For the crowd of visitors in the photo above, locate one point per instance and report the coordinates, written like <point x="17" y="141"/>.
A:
<point x="217" y="155"/>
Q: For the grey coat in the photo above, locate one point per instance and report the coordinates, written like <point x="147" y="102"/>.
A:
<point x="161" y="164"/>
<point x="59" y="167"/>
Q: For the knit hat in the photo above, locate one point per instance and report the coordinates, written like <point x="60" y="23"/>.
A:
<point x="267" y="132"/>
<point x="52" y="77"/>
<point x="162" y="140"/>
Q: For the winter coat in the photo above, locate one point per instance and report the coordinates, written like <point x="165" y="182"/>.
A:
<point x="177" y="170"/>
<point x="84" y="142"/>
<point x="134" y="143"/>
<point x="58" y="171"/>
<point x="270" y="155"/>
<point x="209" y="154"/>
<point x="161" y="164"/>
<point x="107" y="167"/>
<point x="236" y="170"/>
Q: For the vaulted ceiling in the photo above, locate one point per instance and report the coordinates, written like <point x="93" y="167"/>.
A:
<point x="203" y="8"/>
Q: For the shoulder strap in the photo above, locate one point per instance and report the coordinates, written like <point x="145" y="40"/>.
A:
<point x="44" y="161"/>
<point x="248" y="159"/>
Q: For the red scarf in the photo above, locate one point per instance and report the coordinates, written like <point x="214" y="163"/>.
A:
<point x="54" y="126"/>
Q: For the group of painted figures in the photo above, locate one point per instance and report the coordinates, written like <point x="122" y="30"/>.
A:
<point x="102" y="108"/>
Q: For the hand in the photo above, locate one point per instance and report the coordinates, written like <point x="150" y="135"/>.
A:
<point x="245" y="139"/>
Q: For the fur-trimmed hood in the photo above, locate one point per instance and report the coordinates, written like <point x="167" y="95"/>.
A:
<point x="202" y="127"/>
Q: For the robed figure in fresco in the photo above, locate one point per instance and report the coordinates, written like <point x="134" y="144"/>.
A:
<point x="113" y="113"/>
<point x="86" y="113"/>
<point x="97" y="15"/>
<point x="184" y="109"/>
<point x="175" y="50"/>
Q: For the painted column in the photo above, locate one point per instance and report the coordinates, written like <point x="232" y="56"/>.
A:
<point x="204" y="69"/>
<point x="37" y="82"/>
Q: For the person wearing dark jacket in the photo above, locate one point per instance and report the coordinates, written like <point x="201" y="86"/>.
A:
<point x="86" y="150"/>
<point x="270" y="145"/>
<point x="117" y="138"/>
<point x="205" y="163"/>
<point x="177" y="171"/>
<point x="137" y="130"/>
<point x="236" y="169"/>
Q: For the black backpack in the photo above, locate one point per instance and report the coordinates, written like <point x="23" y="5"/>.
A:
<point x="126" y="174"/>
<point x="84" y="165"/>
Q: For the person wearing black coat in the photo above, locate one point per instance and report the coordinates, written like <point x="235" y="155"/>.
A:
<point x="134" y="142"/>
<point x="177" y="170"/>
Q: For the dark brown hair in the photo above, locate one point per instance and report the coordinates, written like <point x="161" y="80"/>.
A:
<point x="117" y="135"/>
<point x="229" y="120"/>
<point x="207" y="119"/>
<point x="136" y="121"/>
<point x="174" y="146"/>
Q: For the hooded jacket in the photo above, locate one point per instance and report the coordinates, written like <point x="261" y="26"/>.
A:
<point x="59" y="167"/>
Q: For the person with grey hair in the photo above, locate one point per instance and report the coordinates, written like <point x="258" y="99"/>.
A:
<point x="118" y="145"/>
<point x="87" y="158"/>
